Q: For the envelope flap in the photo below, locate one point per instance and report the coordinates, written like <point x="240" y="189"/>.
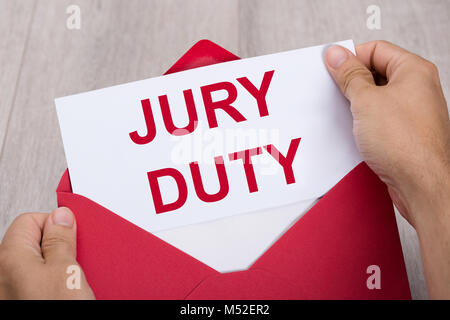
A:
<point x="245" y="285"/>
<point x="330" y="248"/>
<point x="64" y="184"/>
<point x="211" y="53"/>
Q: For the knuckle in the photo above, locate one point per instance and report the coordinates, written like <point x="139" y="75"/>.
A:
<point x="409" y="58"/>
<point x="382" y="43"/>
<point x="24" y="216"/>
<point x="363" y="100"/>
<point x="431" y="68"/>
<point x="424" y="67"/>
<point x="53" y="241"/>
<point x="349" y="75"/>
<point x="363" y="95"/>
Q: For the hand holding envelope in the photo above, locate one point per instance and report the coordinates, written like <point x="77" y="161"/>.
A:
<point x="324" y="255"/>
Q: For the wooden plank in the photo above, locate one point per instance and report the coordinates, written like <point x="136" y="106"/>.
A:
<point x="122" y="41"/>
<point x="15" y="22"/>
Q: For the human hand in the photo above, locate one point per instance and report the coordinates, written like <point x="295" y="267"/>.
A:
<point x="35" y="254"/>
<point x="402" y="131"/>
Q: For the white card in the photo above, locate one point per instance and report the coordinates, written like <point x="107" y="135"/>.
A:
<point x="112" y="155"/>
<point x="235" y="243"/>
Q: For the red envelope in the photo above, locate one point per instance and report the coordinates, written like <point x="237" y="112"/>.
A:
<point x="325" y="255"/>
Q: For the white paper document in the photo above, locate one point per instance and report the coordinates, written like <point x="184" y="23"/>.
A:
<point x="180" y="154"/>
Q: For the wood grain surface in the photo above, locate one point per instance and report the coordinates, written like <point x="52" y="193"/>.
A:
<point x="121" y="41"/>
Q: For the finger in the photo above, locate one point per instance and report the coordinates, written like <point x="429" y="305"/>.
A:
<point x="59" y="237"/>
<point x="25" y="234"/>
<point x="350" y="74"/>
<point x="383" y="57"/>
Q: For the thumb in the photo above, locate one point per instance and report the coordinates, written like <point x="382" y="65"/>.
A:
<point x="349" y="73"/>
<point x="59" y="237"/>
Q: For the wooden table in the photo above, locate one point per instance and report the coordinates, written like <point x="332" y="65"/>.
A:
<point x="121" y="41"/>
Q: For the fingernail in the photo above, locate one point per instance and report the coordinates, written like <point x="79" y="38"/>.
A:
<point x="336" y="56"/>
<point x="63" y="217"/>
